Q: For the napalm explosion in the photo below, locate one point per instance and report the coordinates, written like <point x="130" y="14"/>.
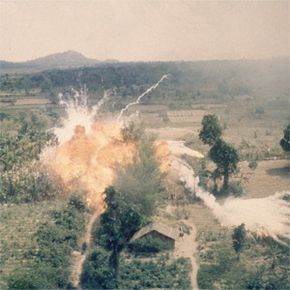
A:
<point x="89" y="152"/>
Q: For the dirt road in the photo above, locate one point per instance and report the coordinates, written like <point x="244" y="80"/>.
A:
<point x="186" y="246"/>
<point x="78" y="257"/>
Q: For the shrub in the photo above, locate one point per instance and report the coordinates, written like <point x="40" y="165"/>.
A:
<point x="160" y="273"/>
<point x="26" y="185"/>
<point x="96" y="273"/>
<point x="77" y="201"/>
<point x="55" y="241"/>
<point x="234" y="188"/>
<point x="253" y="165"/>
<point x="36" y="278"/>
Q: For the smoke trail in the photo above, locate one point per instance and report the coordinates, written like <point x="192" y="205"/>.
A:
<point x="141" y="96"/>
<point x="267" y="216"/>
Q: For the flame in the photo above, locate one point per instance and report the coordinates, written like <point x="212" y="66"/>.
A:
<point x="88" y="160"/>
<point x="89" y="151"/>
<point x="162" y="154"/>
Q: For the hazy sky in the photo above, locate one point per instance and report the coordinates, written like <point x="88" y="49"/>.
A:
<point x="144" y="29"/>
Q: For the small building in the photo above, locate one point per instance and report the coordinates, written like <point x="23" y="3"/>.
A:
<point x="156" y="233"/>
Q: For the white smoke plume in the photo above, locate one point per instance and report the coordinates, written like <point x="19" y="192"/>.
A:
<point x="267" y="216"/>
<point x="78" y="113"/>
<point x="141" y="96"/>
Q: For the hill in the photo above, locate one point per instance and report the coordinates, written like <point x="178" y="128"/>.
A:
<point x="68" y="59"/>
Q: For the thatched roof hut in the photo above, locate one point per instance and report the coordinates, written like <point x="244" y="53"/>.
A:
<point x="166" y="234"/>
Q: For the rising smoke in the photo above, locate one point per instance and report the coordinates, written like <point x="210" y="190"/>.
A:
<point x="263" y="216"/>
<point x="89" y="152"/>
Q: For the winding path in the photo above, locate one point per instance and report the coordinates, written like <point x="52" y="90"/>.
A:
<point x="78" y="257"/>
<point x="186" y="246"/>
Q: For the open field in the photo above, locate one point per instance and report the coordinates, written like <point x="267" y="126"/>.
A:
<point x="269" y="177"/>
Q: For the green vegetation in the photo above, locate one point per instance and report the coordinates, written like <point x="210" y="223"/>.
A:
<point x="129" y="207"/>
<point x="226" y="158"/>
<point x="26" y="143"/>
<point x="148" y="245"/>
<point x="251" y="100"/>
<point x="285" y="141"/>
<point x="224" y="155"/>
<point x="140" y="183"/>
<point x="253" y="164"/>
<point x="239" y="239"/>
<point x="135" y="273"/>
<point x="158" y="273"/>
<point x="263" y="264"/>
<point x="211" y="130"/>
<point x="96" y="272"/>
<point x="18" y="226"/>
<point x="22" y="179"/>
<point x="117" y="225"/>
<point x="27" y="184"/>
<point x="189" y="81"/>
<point x="55" y="241"/>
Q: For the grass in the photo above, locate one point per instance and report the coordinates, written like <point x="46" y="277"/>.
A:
<point x="18" y="224"/>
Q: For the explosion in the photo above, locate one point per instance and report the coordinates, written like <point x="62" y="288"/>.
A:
<point x="89" y="151"/>
<point x="88" y="161"/>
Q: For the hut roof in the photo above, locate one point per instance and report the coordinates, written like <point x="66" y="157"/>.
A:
<point x="158" y="227"/>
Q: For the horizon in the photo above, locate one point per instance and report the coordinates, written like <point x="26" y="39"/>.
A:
<point x="145" y="31"/>
<point x="147" y="61"/>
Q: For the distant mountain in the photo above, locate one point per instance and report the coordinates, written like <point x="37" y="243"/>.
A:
<point x="68" y="59"/>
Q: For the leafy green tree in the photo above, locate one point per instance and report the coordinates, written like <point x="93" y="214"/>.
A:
<point x="285" y="141"/>
<point x="117" y="225"/>
<point x="226" y="158"/>
<point x="239" y="239"/>
<point x="140" y="182"/>
<point x="211" y="130"/>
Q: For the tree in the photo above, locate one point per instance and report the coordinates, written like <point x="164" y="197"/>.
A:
<point x="239" y="239"/>
<point x="285" y="141"/>
<point x="117" y="225"/>
<point x="211" y="130"/>
<point x="129" y="203"/>
<point x="226" y="158"/>
<point x="140" y="182"/>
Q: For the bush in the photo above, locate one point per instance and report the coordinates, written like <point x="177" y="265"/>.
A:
<point x="55" y="241"/>
<point x="26" y="185"/>
<point x="253" y="165"/>
<point x="35" y="278"/>
<point x="234" y="188"/>
<point x="77" y="201"/>
<point x="96" y="273"/>
<point x="161" y="273"/>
